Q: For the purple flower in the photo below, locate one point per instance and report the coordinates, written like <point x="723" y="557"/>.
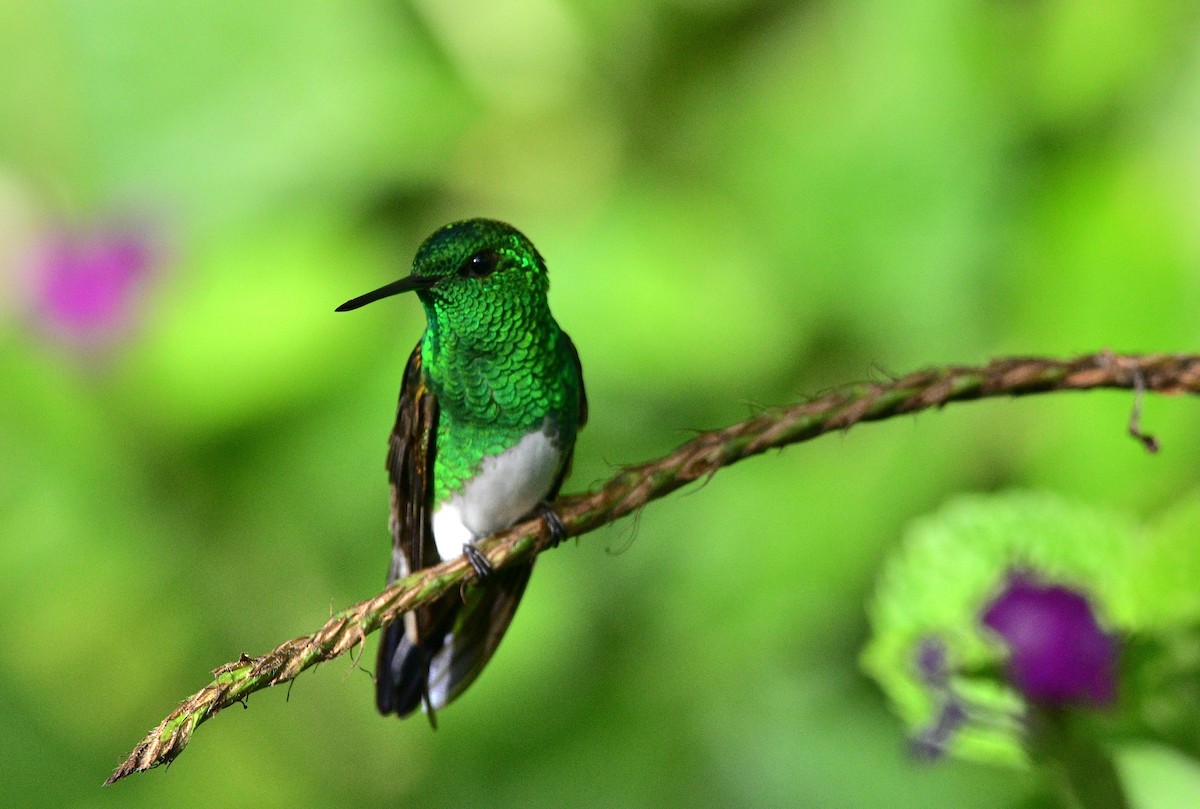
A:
<point x="88" y="284"/>
<point x="1058" y="653"/>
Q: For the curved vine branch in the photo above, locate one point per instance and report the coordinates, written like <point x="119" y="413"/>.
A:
<point x="635" y="486"/>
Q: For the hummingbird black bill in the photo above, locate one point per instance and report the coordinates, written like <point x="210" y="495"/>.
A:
<point x="410" y="283"/>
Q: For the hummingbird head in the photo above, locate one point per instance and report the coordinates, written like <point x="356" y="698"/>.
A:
<point x="472" y="270"/>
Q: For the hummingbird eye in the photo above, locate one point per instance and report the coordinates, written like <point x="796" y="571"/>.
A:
<point x="480" y="265"/>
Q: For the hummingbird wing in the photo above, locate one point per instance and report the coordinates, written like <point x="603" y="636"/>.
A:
<point x="410" y="472"/>
<point x="583" y="414"/>
<point x="405" y="650"/>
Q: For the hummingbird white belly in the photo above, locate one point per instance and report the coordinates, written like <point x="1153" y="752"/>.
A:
<point x="507" y="487"/>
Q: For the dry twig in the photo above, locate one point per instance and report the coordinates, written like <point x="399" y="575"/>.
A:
<point x="635" y="486"/>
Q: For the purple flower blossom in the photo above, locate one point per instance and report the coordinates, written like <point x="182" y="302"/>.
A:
<point x="87" y="284"/>
<point x="1058" y="653"/>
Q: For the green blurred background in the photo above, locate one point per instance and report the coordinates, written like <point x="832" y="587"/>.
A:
<point x="741" y="203"/>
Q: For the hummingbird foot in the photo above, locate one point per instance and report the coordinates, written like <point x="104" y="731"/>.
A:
<point x="554" y="524"/>
<point x="479" y="562"/>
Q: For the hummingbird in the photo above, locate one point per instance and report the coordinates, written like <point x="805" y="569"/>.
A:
<point x="490" y="403"/>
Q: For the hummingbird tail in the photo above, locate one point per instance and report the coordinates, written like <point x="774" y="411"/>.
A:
<point x="450" y="655"/>
<point x="401" y="672"/>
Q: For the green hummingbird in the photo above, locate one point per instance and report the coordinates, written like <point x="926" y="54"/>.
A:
<point x="490" y="403"/>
